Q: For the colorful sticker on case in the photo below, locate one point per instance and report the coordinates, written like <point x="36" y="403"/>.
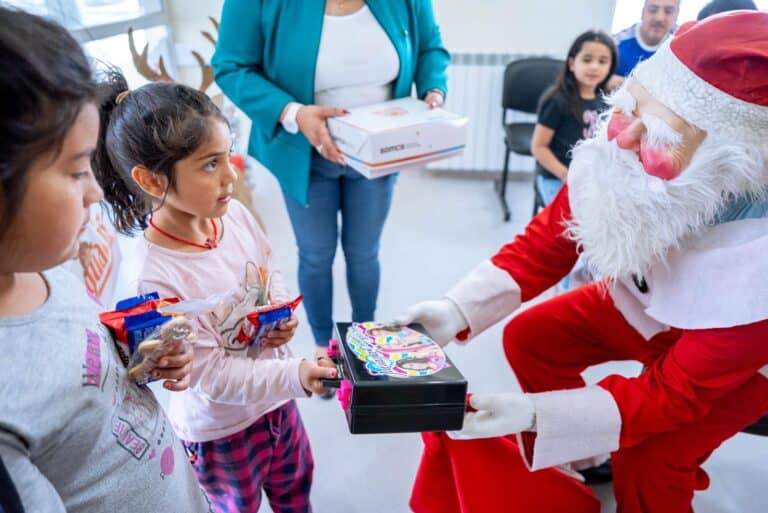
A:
<point x="396" y="351"/>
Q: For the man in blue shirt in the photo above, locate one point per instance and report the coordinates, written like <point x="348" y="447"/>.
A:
<point x="640" y="41"/>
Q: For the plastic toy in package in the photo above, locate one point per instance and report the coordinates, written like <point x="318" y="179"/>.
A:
<point x="172" y="337"/>
<point x="148" y="328"/>
<point x="133" y="319"/>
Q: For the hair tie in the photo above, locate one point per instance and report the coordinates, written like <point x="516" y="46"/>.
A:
<point x="120" y="97"/>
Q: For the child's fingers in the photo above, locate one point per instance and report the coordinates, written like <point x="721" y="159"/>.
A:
<point x="317" y="388"/>
<point x="322" y="372"/>
<point x="176" y="373"/>
<point x="290" y="324"/>
<point x="280" y="335"/>
<point x="177" y="386"/>
<point x="175" y="361"/>
<point x="324" y="361"/>
<point x="316" y="385"/>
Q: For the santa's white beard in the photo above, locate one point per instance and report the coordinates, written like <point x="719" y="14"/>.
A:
<point x="625" y="219"/>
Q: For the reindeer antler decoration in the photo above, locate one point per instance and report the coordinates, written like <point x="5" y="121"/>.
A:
<point x="143" y="67"/>
<point x="140" y="60"/>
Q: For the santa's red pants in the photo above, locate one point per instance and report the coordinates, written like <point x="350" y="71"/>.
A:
<point x="549" y="346"/>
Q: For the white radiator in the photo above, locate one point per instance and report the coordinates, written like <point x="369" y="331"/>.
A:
<point x="474" y="90"/>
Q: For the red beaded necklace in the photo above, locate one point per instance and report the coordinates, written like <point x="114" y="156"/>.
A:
<point x="209" y="243"/>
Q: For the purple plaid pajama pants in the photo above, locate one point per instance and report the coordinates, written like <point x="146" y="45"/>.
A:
<point x="272" y="454"/>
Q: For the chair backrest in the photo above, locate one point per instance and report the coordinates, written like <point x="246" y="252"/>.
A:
<point x="526" y="79"/>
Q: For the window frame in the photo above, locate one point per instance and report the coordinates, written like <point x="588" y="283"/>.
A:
<point x="84" y="34"/>
<point x="68" y="14"/>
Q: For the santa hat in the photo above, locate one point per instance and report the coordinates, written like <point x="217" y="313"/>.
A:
<point x="714" y="74"/>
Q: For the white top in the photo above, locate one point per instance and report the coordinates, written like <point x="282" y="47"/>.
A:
<point x="356" y="63"/>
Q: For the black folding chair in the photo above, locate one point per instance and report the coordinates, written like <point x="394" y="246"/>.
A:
<point x="524" y="82"/>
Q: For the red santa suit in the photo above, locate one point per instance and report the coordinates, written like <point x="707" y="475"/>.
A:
<point x="696" y="318"/>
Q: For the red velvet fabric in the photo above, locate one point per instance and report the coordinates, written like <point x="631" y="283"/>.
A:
<point x="730" y="52"/>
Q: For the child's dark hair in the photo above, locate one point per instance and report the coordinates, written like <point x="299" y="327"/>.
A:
<point x="45" y="82"/>
<point x="153" y="126"/>
<point x="566" y="83"/>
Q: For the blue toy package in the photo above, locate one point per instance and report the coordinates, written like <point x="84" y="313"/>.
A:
<point x="125" y="304"/>
<point x="129" y="324"/>
<point x="269" y="317"/>
<point x="141" y="326"/>
<point x="269" y="321"/>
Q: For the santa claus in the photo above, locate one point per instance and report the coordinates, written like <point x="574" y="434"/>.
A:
<point x="668" y="204"/>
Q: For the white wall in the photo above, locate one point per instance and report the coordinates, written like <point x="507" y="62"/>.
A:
<point x="519" y="26"/>
<point x="188" y="18"/>
<point x="504" y="26"/>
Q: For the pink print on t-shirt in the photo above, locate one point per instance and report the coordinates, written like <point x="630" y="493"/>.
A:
<point x="590" y="118"/>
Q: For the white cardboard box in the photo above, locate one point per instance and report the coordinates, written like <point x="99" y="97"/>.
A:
<point x="392" y="136"/>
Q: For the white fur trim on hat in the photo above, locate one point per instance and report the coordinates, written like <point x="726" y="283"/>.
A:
<point x="689" y="96"/>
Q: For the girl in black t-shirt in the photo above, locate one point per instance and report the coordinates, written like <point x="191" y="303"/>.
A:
<point x="569" y="110"/>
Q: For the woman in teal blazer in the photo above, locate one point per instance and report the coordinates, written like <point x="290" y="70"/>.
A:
<point x="266" y="62"/>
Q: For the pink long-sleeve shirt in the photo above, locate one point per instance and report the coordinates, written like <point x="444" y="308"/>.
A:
<point x="232" y="384"/>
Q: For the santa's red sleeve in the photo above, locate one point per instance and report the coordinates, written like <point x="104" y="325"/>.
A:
<point x="522" y="269"/>
<point x="701" y="368"/>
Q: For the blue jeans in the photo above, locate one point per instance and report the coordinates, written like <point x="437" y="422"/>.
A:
<point x="364" y="205"/>
<point x="548" y="187"/>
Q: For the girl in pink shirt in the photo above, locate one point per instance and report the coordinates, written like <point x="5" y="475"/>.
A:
<point x="164" y="164"/>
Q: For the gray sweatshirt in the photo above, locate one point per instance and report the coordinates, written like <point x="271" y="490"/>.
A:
<point x="75" y="434"/>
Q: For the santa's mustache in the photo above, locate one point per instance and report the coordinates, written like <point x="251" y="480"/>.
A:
<point x="624" y="219"/>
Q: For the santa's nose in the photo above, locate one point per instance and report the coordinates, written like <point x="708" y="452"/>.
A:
<point x="631" y="136"/>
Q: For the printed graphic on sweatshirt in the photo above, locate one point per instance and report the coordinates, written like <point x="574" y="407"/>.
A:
<point x="137" y="422"/>
<point x="230" y="320"/>
<point x="93" y="372"/>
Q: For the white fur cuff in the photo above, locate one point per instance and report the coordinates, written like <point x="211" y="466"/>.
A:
<point x="572" y="425"/>
<point x="485" y="296"/>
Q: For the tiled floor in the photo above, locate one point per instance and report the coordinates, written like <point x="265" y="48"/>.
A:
<point x="440" y="227"/>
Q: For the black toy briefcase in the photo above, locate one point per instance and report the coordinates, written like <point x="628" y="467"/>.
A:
<point x="395" y="379"/>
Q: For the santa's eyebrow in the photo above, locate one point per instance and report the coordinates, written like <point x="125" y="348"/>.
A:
<point x="659" y="132"/>
<point x="623" y="101"/>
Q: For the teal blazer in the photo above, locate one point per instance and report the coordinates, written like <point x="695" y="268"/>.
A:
<point x="265" y="57"/>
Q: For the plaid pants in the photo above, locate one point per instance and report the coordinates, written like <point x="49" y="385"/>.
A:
<point x="272" y="454"/>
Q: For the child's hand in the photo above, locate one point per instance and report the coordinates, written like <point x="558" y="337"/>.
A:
<point x="310" y="374"/>
<point x="175" y="369"/>
<point x="283" y="333"/>
<point x="325" y="361"/>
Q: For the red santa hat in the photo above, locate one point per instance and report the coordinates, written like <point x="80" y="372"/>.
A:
<point x="714" y="74"/>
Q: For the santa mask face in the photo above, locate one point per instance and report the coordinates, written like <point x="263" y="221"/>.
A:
<point x="647" y="181"/>
<point x="663" y="141"/>
<point x="654" y="141"/>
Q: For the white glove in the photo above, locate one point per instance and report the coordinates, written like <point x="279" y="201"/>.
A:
<point x="441" y="317"/>
<point x="497" y="415"/>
